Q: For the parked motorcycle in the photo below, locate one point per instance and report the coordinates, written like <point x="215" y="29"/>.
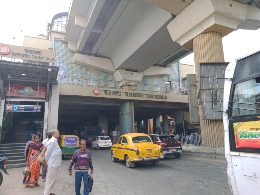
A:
<point x="3" y="160"/>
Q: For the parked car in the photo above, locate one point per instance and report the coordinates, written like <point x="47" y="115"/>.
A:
<point x="134" y="148"/>
<point x="169" y="144"/>
<point x="101" y="142"/>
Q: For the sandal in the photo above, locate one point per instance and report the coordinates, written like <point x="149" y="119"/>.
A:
<point x="37" y="185"/>
<point x="29" y="186"/>
<point x="52" y="194"/>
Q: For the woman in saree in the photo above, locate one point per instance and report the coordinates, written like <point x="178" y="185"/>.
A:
<point x="32" y="162"/>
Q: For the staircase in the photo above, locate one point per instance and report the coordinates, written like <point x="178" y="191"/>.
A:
<point x="15" y="148"/>
<point x="14" y="154"/>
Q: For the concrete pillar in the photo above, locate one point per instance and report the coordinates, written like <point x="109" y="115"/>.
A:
<point x="154" y="124"/>
<point x="2" y="110"/>
<point x="158" y="124"/>
<point x="53" y="108"/>
<point x="208" y="47"/>
<point x="165" y="123"/>
<point x="45" y="120"/>
<point x="126" y="117"/>
<point x="103" y="123"/>
<point x="145" y="124"/>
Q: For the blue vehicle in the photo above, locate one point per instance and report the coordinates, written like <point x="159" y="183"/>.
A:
<point x="90" y="132"/>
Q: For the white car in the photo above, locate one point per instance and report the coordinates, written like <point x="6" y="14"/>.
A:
<point x="101" y="142"/>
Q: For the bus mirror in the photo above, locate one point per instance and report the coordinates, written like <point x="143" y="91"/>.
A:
<point x="214" y="98"/>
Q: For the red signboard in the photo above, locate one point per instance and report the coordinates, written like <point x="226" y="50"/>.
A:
<point x="28" y="91"/>
<point x="4" y="50"/>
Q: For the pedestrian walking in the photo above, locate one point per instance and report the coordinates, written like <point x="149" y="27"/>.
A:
<point x="53" y="161"/>
<point x="26" y="178"/>
<point x="35" y="149"/>
<point x="44" y="167"/>
<point x="82" y="162"/>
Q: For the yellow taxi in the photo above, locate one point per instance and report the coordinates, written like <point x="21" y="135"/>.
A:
<point x="134" y="148"/>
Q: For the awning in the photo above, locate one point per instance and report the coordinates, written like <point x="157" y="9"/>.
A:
<point x="27" y="73"/>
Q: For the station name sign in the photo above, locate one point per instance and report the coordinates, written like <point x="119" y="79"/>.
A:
<point x="135" y="95"/>
<point x="27" y="53"/>
<point x="23" y="108"/>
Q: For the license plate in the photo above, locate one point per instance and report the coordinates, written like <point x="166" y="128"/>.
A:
<point x="105" y="144"/>
<point x="149" y="150"/>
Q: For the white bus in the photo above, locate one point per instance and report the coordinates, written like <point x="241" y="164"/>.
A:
<point x="241" y="118"/>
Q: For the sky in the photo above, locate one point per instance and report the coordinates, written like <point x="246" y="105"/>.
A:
<point x="19" y="18"/>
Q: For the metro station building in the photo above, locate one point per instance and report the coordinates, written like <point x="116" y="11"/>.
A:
<point x="117" y="63"/>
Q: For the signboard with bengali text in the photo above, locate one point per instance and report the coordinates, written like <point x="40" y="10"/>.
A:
<point x="27" y="53"/>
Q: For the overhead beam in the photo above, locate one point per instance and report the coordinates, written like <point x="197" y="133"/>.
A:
<point x="80" y="21"/>
<point x="117" y="11"/>
<point x="92" y="16"/>
<point x="98" y="27"/>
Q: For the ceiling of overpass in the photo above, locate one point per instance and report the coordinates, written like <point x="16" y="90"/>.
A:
<point x="132" y="33"/>
<point x="76" y="109"/>
<point x="255" y="3"/>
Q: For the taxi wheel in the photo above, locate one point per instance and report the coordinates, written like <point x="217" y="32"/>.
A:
<point x="98" y="148"/>
<point x="128" y="163"/>
<point x="113" y="157"/>
<point x="156" y="162"/>
<point x="177" y="155"/>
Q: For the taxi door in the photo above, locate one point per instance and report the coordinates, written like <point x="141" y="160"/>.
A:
<point x="117" y="150"/>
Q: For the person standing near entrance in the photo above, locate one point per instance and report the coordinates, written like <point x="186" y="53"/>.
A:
<point x="26" y="150"/>
<point x="44" y="167"/>
<point x="31" y="128"/>
<point x="32" y="162"/>
<point x="53" y="161"/>
<point x="103" y="132"/>
<point x="82" y="162"/>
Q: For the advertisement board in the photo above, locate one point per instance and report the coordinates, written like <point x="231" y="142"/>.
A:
<point x="247" y="134"/>
<point x="28" y="91"/>
<point x="70" y="141"/>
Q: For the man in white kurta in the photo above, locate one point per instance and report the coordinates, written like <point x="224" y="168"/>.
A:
<point x="53" y="160"/>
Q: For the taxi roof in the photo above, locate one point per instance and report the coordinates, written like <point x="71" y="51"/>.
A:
<point x="135" y="134"/>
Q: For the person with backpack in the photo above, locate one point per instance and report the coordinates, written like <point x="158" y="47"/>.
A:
<point x="82" y="162"/>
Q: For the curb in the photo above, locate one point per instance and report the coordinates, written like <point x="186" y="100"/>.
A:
<point x="212" y="155"/>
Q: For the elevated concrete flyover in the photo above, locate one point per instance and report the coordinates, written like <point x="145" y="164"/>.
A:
<point x="134" y="35"/>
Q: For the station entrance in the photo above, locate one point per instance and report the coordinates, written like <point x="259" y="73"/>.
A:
<point x="82" y="114"/>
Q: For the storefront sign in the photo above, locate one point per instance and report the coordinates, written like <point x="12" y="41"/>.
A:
<point x="137" y="95"/>
<point x="70" y="141"/>
<point x="247" y="134"/>
<point x="23" y="108"/>
<point x="27" y="53"/>
<point x="17" y="90"/>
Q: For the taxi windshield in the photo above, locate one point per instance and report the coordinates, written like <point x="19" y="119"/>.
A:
<point x="140" y="139"/>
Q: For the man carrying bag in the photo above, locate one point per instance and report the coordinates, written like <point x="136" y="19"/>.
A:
<point x="82" y="162"/>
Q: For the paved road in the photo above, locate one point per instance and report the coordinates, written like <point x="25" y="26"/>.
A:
<point x="190" y="175"/>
